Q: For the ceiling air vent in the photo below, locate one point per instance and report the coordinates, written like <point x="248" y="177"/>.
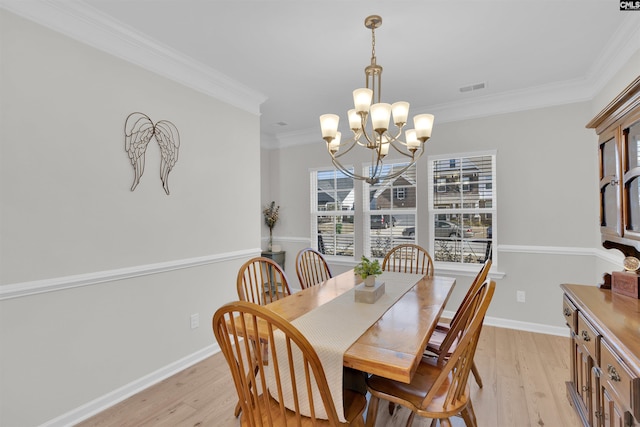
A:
<point x="471" y="88"/>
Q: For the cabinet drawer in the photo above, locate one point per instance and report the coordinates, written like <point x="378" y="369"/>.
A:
<point x="570" y="314"/>
<point x="588" y="337"/>
<point x="620" y="380"/>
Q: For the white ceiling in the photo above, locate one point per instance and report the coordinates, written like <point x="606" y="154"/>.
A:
<point x="306" y="56"/>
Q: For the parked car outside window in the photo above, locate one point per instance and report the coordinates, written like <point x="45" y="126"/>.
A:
<point x="443" y="229"/>
<point x="382" y="221"/>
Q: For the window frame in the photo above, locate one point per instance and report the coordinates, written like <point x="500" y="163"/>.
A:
<point x="391" y="212"/>
<point x="435" y="184"/>
<point x="316" y="212"/>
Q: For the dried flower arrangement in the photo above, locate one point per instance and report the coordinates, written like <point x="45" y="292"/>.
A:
<point x="271" y="218"/>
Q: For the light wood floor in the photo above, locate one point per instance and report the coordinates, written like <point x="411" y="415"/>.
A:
<point x="524" y="378"/>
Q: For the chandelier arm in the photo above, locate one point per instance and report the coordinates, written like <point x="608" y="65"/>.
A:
<point x="343" y="152"/>
<point x="363" y="131"/>
<point x="378" y="162"/>
<point x="401" y="151"/>
<point x="346" y="171"/>
<point x="396" y="137"/>
<point x="400" y="172"/>
<point x="370" y="142"/>
<point x="357" y="136"/>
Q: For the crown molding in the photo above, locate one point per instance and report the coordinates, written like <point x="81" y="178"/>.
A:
<point x="85" y="24"/>
<point x="88" y="25"/>
<point x="622" y="46"/>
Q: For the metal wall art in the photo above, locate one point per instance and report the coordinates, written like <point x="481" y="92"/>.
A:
<point x="138" y="131"/>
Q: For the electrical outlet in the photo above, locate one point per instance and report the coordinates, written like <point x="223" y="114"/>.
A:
<point x="520" y="296"/>
<point x="195" y="320"/>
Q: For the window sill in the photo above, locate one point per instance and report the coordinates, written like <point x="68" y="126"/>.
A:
<point x="441" y="268"/>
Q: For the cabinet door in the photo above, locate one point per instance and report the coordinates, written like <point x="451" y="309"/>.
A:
<point x="631" y="177"/>
<point x="612" y="415"/>
<point x="610" y="197"/>
<point x="585" y="383"/>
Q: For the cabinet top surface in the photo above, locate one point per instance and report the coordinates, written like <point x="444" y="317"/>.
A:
<point x="617" y="316"/>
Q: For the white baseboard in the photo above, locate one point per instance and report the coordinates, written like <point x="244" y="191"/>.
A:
<point x="98" y="405"/>
<point x="539" y="328"/>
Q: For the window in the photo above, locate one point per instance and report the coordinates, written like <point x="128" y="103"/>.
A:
<point x="333" y="212"/>
<point x="462" y="213"/>
<point x="390" y="211"/>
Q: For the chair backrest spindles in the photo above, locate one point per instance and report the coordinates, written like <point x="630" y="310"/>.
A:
<point x="261" y="281"/>
<point x="408" y="258"/>
<point x="260" y="385"/>
<point x="457" y="367"/>
<point x="311" y="268"/>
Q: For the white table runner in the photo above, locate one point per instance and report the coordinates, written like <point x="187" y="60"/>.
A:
<point x="333" y="327"/>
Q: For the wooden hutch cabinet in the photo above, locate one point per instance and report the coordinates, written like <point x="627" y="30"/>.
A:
<point x="604" y="387"/>
<point x="605" y="355"/>
<point x="618" y="128"/>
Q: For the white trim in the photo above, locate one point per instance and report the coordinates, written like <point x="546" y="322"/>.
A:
<point x="303" y="240"/>
<point x="548" y="250"/>
<point x="98" y="405"/>
<point x="539" y="328"/>
<point x="463" y="270"/>
<point x="88" y="25"/>
<point x="609" y="255"/>
<point x="17" y="290"/>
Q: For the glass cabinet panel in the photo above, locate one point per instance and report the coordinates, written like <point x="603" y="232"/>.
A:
<point x="632" y="177"/>
<point x="609" y="190"/>
<point x="633" y="146"/>
<point x="633" y="203"/>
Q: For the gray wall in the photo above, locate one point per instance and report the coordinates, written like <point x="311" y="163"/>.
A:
<point x="136" y="264"/>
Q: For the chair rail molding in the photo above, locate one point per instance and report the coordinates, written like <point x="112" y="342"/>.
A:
<point x="17" y="290"/>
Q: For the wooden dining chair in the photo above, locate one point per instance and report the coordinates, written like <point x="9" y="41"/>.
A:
<point x="439" y="388"/>
<point x="408" y="258"/>
<point x="442" y="338"/>
<point x="261" y="391"/>
<point x="261" y="281"/>
<point x="311" y="268"/>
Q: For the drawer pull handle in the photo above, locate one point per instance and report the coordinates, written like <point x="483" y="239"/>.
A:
<point x="585" y="388"/>
<point x="585" y="336"/>
<point x="567" y="312"/>
<point x="597" y="371"/>
<point x="613" y="374"/>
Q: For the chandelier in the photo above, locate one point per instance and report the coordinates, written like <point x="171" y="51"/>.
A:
<point x="377" y="136"/>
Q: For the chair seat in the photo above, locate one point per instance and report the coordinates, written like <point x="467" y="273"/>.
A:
<point x="412" y="395"/>
<point x="443" y="326"/>
<point x="435" y="343"/>
<point x="354" y="406"/>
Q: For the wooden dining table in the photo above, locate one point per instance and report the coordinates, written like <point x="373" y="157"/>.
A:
<point x="392" y="346"/>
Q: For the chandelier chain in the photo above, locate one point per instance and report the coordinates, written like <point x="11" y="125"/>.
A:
<point x="373" y="42"/>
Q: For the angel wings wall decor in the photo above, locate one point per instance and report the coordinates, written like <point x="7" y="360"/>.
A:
<point x="138" y="131"/>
